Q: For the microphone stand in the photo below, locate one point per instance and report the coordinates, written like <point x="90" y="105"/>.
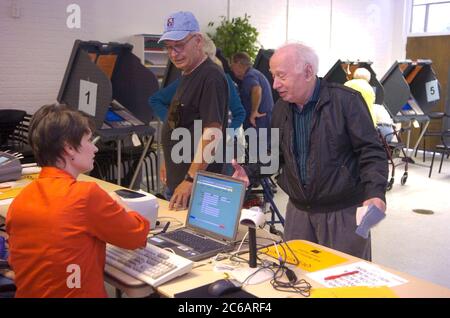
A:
<point x="252" y="246"/>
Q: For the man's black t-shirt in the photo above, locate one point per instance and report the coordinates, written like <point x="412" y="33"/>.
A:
<point x="201" y="95"/>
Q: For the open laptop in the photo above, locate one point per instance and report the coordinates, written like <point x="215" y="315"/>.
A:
<point x="212" y="220"/>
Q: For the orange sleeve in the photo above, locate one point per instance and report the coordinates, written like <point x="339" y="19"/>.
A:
<point x="110" y="222"/>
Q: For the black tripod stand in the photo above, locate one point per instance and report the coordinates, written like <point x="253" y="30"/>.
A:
<point x="268" y="194"/>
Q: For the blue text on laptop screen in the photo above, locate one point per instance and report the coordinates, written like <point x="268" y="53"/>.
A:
<point x="216" y="205"/>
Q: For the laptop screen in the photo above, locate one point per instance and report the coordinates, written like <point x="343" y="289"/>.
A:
<point x="216" y="204"/>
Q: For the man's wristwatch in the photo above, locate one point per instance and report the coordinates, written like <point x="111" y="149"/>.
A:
<point x="188" y="178"/>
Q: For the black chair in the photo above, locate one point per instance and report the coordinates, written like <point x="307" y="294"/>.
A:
<point x="105" y="164"/>
<point x="150" y="165"/>
<point x="14" y="125"/>
<point x="430" y="132"/>
<point x="10" y="120"/>
<point x="443" y="149"/>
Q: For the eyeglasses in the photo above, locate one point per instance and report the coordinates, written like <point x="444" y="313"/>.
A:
<point x="173" y="118"/>
<point x="179" y="47"/>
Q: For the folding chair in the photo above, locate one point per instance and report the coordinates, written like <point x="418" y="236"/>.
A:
<point x="443" y="148"/>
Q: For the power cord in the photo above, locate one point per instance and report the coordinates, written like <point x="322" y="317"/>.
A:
<point x="301" y="286"/>
<point x="279" y="270"/>
<point x="293" y="284"/>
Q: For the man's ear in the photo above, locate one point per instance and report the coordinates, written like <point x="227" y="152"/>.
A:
<point x="309" y="73"/>
<point x="199" y="40"/>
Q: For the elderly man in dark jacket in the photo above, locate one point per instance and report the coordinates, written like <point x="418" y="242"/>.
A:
<point x="331" y="158"/>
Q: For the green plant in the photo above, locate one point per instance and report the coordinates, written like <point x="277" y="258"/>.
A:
<point x="237" y="35"/>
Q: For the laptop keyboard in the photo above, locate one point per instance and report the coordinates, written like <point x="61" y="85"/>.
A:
<point x="198" y="243"/>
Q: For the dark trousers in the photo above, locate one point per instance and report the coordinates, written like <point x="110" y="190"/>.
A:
<point x="335" y="230"/>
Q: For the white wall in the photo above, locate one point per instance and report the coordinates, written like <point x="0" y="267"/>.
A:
<point x="337" y="29"/>
<point x="310" y="22"/>
<point x="268" y="16"/>
<point x="116" y="20"/>
<point x="34" y="51"/>
<point x="35" y="47"/>
<point x="365" y="30"/>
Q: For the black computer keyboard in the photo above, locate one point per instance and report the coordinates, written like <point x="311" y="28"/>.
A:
<point x="196" y="242"/>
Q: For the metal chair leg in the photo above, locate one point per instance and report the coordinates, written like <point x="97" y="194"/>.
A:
<point x="442" y="160"/>
<point x="424" y="148"/>
<point x="431" y="166"/>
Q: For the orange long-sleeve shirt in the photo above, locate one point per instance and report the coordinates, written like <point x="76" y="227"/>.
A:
<point x="57" y="224"/>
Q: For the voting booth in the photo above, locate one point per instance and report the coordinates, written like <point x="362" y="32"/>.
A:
<point x="342" y="71"/>
<point x="109" y="83"/>
<point x="411" y="91"/>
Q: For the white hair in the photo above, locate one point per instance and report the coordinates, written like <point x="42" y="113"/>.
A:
<point x="362" y="73"/>
<point x="304" y="54"/>
<point x="210" y="49"/>
<point x="208" y="46"/>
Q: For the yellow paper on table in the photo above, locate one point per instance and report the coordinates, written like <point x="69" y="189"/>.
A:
<point x="353" y="292"/>
<point x="310" y="257"/>
<point x="32" y="176"/>
<point x="9" y="193"/>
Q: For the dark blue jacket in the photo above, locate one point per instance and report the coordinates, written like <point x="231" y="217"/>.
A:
<point x="346" y="164"/>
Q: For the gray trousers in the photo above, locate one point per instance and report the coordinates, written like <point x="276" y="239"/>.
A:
<point x="335" y="230"/>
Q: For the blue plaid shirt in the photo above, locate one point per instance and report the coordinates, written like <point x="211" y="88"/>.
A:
<point x="302" y="131"/>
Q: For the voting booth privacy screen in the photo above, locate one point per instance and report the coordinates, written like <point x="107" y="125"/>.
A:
<point x="411" y="88"/>
<point x="342" y="71"/>
<point x="98" y="74"/>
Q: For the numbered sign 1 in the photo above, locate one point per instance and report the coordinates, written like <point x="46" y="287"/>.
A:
<point x="432" y="89"/>
<point x="87" y="100"/>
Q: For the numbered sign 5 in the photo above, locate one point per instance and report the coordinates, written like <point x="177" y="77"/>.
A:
<point x="432" y="89"/>
<point x="87" y="100"/>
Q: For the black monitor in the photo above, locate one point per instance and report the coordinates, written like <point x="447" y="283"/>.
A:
<point x="262" y="65"/>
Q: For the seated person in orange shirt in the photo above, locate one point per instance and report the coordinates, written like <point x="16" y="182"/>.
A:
<point x="58" y="227"/>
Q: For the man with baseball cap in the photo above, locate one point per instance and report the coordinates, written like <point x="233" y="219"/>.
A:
<point x="201" y="95"/>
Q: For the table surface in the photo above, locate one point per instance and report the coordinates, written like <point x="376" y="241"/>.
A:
<point x="203" y="272"/>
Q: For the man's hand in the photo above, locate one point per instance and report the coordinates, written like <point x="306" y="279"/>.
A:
<point x="180" y="197"/>
<point x="239" y="173"/>
<point x="377" y="202"/>
<point x="254" y="116"/>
